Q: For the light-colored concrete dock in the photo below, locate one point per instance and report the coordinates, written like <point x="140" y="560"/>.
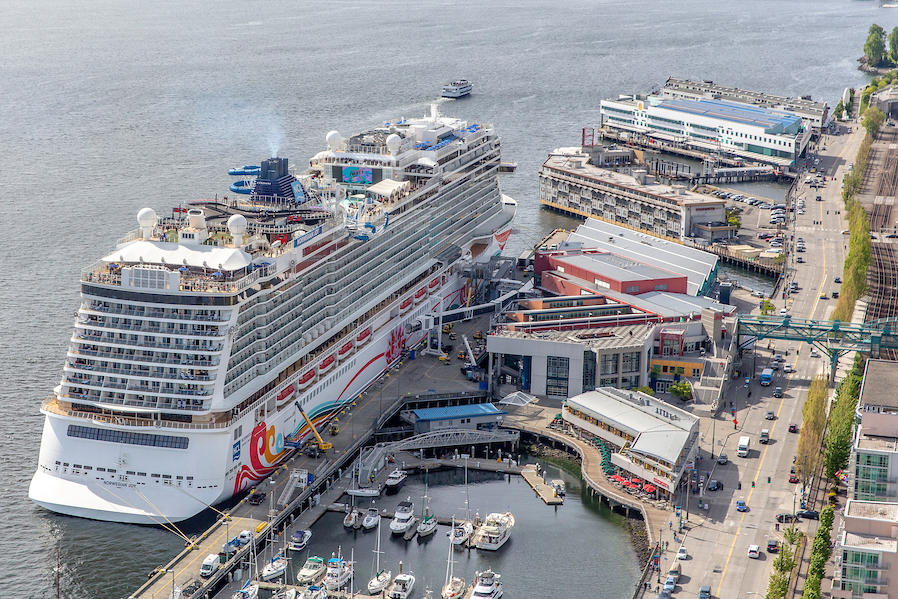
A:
<point x="544" y="491"/>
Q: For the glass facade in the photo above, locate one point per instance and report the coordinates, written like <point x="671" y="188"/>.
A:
<point x="630" y="361"/>
<point x="871" y="476"/>
<point x="860" y="572"/>
<point x="97" y="434"/>
<point x="557" y="371"/>
<point x="589" y="371"/>
<point x="609" y="364"/>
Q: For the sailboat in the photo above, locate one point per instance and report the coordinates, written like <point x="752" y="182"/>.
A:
<point x="462" y="533"/>
<point x="402" y="585"/>
<point x="381" y="578"/>
<point x="428" y="524"/>
<point x="454" y="586"/>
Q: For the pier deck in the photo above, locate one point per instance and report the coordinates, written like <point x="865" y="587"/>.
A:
<point x="544" y="491"/>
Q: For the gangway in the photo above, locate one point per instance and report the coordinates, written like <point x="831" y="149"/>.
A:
<point x="294" y="441"/>
<point x="471" y="359"/>
<point x="833" y="337"/>
<point x="298" y="478"/>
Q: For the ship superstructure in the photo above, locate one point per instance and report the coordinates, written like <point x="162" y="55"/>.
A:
<point x="200" y="338"/>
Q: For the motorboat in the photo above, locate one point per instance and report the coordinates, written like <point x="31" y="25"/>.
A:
<point x="395" y="481"/>
<point x="428" y="524"/>
<point x="275" y="568"/>
<point x="299" y="540"/>
<point x="313" y="592"/>
<point x="558" y="485"/>
<point x="371" y="519"/>
<point x="457" y="89"/>
<point x="351" y="518"/>
<point x="339" y="573"/>
<point x="311" y="571"/>
<point x="488" y="586"/>
<point x="403" y="518"/>
<point x="381" y="578"/>
<point x="402" y="585"/>
<point x="365" y="491"/>
<point x="495" y="532"/>
<point x="454" y="586"/>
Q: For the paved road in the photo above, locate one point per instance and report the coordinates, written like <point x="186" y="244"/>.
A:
<point x="718" y="547"/>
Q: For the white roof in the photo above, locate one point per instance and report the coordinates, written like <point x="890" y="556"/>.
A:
<point x="661" y="430"/>
<point x="387" y="187"/>
<point x="176" y="254"/>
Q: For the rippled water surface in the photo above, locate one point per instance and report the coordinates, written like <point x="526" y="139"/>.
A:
<point x="109" y="106"/>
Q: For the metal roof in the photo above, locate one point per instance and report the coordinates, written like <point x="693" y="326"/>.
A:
<point x="619" y="268"/>
<point x="733" y="112"/>
<point x="696" y="265"/>
<point x="451" y="412"/>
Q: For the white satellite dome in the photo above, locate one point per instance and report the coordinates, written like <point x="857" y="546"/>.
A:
<point x="146" y="217"/>
<point x="237" y="225"/>
<point x="393" y="143"/>
<point x="334" y="139"/>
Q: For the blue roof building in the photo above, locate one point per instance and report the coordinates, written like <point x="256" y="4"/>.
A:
<point x="481" y="416"/>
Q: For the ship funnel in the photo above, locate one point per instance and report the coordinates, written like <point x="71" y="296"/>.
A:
<point x="146" y="218"/>
<point x="196" y="219"/>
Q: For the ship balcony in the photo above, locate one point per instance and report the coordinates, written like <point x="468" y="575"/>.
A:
<point x="88" y="322"/>
<point x="118" y="404"/>
<point x="137" y="372"/>
<point x="153" y="313"/>
<point x="173" y="361"/>
<point x="97" y="337"/>
<point x="130" y="387"/>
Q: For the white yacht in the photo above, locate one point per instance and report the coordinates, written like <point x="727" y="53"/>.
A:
<point x="276" y="568"/>
<point x="402" y="585"/>
<point x="395" y="481"/>
<point x="371" y="519"/>
<point x="403" y="518"/>
<point x="462" y="532"/>
<point x="457" y="89"/>
<point x="202" y="337"/>
<point x="495" y="532"/>
<point x="488" y="586"/>
<point x="311" y="571"/>
<point x="380" y="578"/>
<point x="428" y="524"/>
<point x="352" y="518"/>
<point x="339" y="572"/>
<point x="299" y="540"/>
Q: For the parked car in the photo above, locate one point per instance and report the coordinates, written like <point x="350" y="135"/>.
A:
<point x="715" y="485"/>
<point x="773" y="545"/>
<point x="256" y="498"/>
<point x="799" y="260"/>
<point x="808" y="514"/>
<point x="784" y="517"/>
<point x="793" y="478"/>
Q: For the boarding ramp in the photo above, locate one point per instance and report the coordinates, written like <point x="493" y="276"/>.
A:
<point x="298" y="479"/>
<point x="374" y="457"/>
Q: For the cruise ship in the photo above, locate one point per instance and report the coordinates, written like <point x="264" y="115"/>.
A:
<point x="204" y="335"/>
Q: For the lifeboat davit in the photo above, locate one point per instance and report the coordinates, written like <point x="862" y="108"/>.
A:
<point x="405" y="306"/>
<point x="434" y="285"/>
<point x="286" y="395"/>
<point x="363" y="337"/>
<point x="345" y="351"/>
<point x="306" y="379"/>
<point x="326" y="364"/>
<point x="420" y="295"/>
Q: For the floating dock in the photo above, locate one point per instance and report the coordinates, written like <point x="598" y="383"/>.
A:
<point x="544" y="491"/>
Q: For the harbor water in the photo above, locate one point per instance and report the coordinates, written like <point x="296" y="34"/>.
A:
<point x="110" y="106"/>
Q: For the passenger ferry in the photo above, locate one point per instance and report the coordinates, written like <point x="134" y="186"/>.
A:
<point x="457" y="89"/>
<point x="203" y="336"/>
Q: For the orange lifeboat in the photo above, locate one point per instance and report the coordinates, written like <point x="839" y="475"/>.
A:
<point x="405" y="306"/>
<point x="286" y="395"/>
<point x="363" y="337"/>
<point x="345" y="351"/>
<point x="326" y="364"/>
<point x="306" y="379"/>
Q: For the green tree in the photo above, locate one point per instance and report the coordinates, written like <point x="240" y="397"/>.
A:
<point x="876" y="30"/>
<point x="874" y="49"/>
<point x="646" y="390"/>
<point x="777" y="587"/>
<point x="873" y="120"/>
<point x="785" y="561"/>
<point x="792" y="535"/>
<point x="682" y="391"/>
<point x="827" y="515"/>
<point x="767" y="307"/>
<point x="838" y="447"/>
<point x="733" y="218"/>
<point x="893" y="46"/>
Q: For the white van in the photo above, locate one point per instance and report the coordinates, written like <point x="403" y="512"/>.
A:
<point x="210" y="565"/>
<point x="675" y="570"/>
<point x="742" y="448"/>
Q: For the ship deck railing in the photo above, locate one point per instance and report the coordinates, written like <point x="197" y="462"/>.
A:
<point x="173" y="404"/>
<point x="145" y="359"/>
<point x="52" y="406"/>
<point x="160" y="315"/>
<point x="93" y="368"/>
<point x="144" y="329"/>
<point x="194" y="349"/>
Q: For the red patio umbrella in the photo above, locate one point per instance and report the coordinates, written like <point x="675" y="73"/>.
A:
<point x="649" y="488"/>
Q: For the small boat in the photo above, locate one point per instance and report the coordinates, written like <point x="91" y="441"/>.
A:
<point x="395" y="481"/>
<point x="371" y="519"/>
<point x="299" y="539"/>
<point x="249" y="591"/>
<point x="365" y="491"/>
<point x="495" y="532"/>
<point x="275" y="568"/>
<point x="403" y="518"/>
<point x="402" y="585"/>
<point x="339" y="573"/>
<point x="381" y="579"/>
<point x="428" y="524"/>
<point x="352" y="516"/>
<point x="457" y="89"/>
<point x="311" y="571"/>
<point x="313" y="592"/>
<point x="508" y="167"/>
<point x="558" y="485"/>
<point x="462" y="533"/>
<point x="454" y="586"/>
<point x="487" y="586"/>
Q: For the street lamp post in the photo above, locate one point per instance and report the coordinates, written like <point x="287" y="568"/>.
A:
<point x="172" y="582"/>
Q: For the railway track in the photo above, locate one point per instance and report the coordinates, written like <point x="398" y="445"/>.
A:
<point x="882" y="281"/>
<point x="881" y="215"/>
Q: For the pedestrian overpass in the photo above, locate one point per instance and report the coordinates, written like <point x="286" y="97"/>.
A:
<point x="832" y="337"/>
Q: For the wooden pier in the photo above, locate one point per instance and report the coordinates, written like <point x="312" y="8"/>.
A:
<point x="543" y="491"/>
